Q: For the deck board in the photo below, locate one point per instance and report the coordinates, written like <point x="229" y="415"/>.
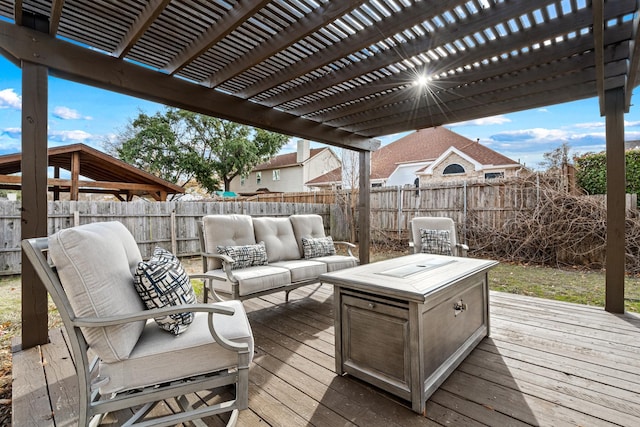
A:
<point x="546" y="363"/>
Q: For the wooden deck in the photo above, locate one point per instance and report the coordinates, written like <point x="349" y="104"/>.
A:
<point x="546" y="363"/>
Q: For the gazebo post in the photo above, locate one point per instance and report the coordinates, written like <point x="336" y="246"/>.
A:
<point x="34" y="197"/>
<point x="616" y="209"/>
<point x="364" y="206"/>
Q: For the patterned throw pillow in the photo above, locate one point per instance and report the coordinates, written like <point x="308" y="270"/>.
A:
<point x="321" y="246"/>
<point x="435" y="241"/>
<point x="162" y="282"/>
<point x="245" y="256"/>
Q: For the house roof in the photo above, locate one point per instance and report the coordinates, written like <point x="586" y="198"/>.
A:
<point x="328" y="178"/>
<point x="287" y="160"/>
<point x="107" y="174"/>
<point x="426" y="145"/>
<point x="338" y="72"/>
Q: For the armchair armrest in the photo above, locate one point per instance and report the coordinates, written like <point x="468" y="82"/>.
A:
<point x="462" y="249"/>
<point x="349" y="246"/>
<point x="211" y="309"/>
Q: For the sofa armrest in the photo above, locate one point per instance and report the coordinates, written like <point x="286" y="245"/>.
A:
<point x="227" y="263"/>
<point x="348" y="245"/>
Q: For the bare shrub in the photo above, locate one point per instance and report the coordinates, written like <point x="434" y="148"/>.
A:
<point x="561" y="229"/>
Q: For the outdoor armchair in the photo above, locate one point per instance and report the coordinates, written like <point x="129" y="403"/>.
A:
<point x="137" y="364"/>
<point x="436" y="235"/>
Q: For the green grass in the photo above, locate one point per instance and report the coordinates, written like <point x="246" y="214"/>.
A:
<point x="577" y="286"/>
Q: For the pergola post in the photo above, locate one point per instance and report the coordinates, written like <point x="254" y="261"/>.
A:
<point x="364" y="206"/>
<point x="34" y="197"/>
<point x="616" y="215"/>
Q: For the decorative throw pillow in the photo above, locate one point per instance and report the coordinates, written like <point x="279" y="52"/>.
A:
<point x="246" y="255"/>
<point x="435" y="241"/>
<point x="321" y="246"/>
<point x="162" y="282"/>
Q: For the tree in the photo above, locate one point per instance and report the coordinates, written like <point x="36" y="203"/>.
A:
<point x="180" y="145"/>
<point x="591" y="172"/>
<point x="555" y="159"/>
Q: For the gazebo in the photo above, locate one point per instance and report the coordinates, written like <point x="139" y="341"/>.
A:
<point x="337" y="72"/>
<point x="90" y="171"/>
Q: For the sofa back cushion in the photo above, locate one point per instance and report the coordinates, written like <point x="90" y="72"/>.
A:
<point x="95" y="263"/>
<point x="309" y="226"/>
<point x="277" y="235"/>
<point x="225" y="230"/>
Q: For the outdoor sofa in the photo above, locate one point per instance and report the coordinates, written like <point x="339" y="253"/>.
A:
<point x="245" y="257"/>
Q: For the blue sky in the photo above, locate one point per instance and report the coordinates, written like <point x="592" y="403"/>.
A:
<point x="79" y="113"/>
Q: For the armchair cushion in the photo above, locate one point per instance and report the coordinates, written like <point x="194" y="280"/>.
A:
<point x="435" y="242"/>
<point x="156" y="359"/>
<point x="96" y="263"/>
<point x="162" y="282"/>
<point x="318" y="247"/>
<point x="245" y="255"/>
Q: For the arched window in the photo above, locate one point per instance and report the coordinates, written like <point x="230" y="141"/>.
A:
<point x="453" y="168"/>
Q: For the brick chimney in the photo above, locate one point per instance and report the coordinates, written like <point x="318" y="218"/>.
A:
<point x="303" y="151"/>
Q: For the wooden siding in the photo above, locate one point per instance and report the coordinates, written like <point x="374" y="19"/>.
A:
<point x="546" y="363"/>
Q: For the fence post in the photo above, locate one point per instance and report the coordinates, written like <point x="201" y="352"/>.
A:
<point x="174" y="240"/>
<point x="464" y="212"/>
<point x="399" y="210"/>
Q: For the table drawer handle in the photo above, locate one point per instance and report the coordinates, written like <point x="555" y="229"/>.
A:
<point x="459" y="307"/>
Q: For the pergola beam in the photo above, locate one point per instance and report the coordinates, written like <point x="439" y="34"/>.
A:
<point x="144" y="21"/>
<point x="290" y="35"/>
<point x="236" y="17"/>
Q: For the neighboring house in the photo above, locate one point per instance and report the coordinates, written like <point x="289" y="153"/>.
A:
<point x="288" y="172"/>
<point x="437" y="155"/>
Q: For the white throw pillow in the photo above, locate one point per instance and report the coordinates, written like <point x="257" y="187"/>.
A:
<point x="162" y="282"/>
<point x="435" y="241"/>
<point x="321" y="246"/>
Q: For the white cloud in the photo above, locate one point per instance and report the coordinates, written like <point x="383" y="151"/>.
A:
<point x="69" y="135"/>
<point x="535" y="135"/>
<point x="66" y="113"/>
<point x="487" y="121"/>
<point x="13" y="133"/>
<point x="591" y="125"/>
<point x="10" y="99"/>
<point x="542" y="110"/>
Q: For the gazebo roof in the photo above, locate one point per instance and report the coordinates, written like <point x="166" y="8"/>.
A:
<point x="339" y="72"/>
<point x="106" y="174"/>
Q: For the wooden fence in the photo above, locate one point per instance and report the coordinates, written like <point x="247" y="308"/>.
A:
<point x="172" y="225"/>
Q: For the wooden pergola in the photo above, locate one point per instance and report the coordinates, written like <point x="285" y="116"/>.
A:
<point x="90" y="171"/>
<point x="337" y="72"/>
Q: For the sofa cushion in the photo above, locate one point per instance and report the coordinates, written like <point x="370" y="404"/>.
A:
<point x="307" y="225"/>
<point x="225" y="230"/>
<point x="245" y="255"/>
<point x="302" y="269"/>
<point x="278" y="236"/>
<point x="338" y="262"/>
<point x="251" y="279"/>
<point x="320" y="246"/>
<point x="159" y="358"/>
<point x="162" y="282"/>
<point x="435" y="241"/>
<point x="95" y="263"/>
